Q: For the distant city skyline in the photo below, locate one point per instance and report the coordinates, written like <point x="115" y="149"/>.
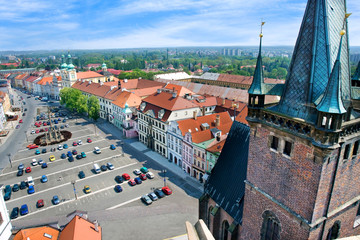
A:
<point x="95" y="24"/>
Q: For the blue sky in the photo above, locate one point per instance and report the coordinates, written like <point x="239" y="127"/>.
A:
<point x="95" y="24"/>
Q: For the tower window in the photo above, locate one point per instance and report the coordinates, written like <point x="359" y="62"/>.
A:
<point x="347" y="151"/>
<point x="287" y="148"/>
<point x="275" y="143"/>
<point x="334" y="231"/>
<point x="271" y="227"/>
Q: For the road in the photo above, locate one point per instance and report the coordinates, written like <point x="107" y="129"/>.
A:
<point x="120" y="214"/>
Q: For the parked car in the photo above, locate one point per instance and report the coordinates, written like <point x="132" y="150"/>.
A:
<point x="74" y="152"/>
<point x="132" y="182"/>
<point x="43" y="150"/>
<point x="44" y="179"/>
<point x="60" y="147"/>
<point x="81" y="174"/>
<point x="40" y="203"/>
<point x="31" y="189"/>
<point x="146" y="199"/>
<point x="97" y="150"/>
<point x="63" y="155"/>
<point x="20" y="121"/>
<point x="28" y="170"/>
<point x="87" y="189"/>
<point x="126" y="176"/>
<point x="167" y="190"/>
<point x="112" y="147"/>
<point x="37" y="152"/>
<point x="118" y="188"/>
<point x="44" y="165"/>
<point x="79" y="142"/>
<point x="71" y="159"/>
<point x="83" y="155"/>
<point x="159" y="193"/>
<point x="55" y="200"/>
<point x="74" y="144"/>
<point x="24" y="210"/>
<point x="14" y="213"/>
<point x="23" y="185"/>
<point x="150" y="175"/>
<point x="20" y="173"/>
<point x="7" y="192"/>
<point x="65" y="146"/>
<point x="110" y="166"/>
<point x="52" y="158"/>
<point x="137" y="171"/>
<point x="15" y="187"/>
<point x="78" y="156"/>
<point x="40" y="162"/>
<point x="34" y="162"/>
<point x="143" y="177"/>
<point x="118" y="179"/>
<point x="153" y="196"/>
<point x="21" y="166"/>
<point x="138" y="180"/>
<point x="89" y="140"/>
<point x="103" y="168"/>
<point x="144" y="170"/>
<point x="17" y="126"/>
<point x="69" y="154"/>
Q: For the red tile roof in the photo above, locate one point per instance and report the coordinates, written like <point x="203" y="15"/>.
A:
<point x="92" y="88"/>
<point x="36" y="233"/>
<point x="45" y="80"/>
<point x="127" y="97"/>
<point x="31" y="78"/>
<point x="206" y="135"/>
<point x="203" y="101"/>
<point x="145" y="91"/>
<point x="88" y="74"/>
<point x="195" y="125"/>
<point x="217" y="148"/>
<point x="180" y="90"/>
<point x="114" y="71"/>
<point x="21" y="76"/>
<point x="79" y="229"/>
<point x="167" y="101"/>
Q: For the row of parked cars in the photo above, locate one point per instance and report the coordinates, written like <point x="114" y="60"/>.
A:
<point x="158" y="193"/>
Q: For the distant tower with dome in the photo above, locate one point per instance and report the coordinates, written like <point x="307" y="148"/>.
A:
<point x="67" y="71"/>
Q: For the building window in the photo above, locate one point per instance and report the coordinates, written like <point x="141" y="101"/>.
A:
<point x="334" y="231"/>
<point x="270" y="229"/>
<point x="225" y="230"/>
<point x="347" y="151"/>
<point x="287" y="148"/>
<point x="356" y="148"/>
<point x="275" y="143"/>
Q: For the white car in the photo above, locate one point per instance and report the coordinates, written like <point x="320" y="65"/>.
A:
<point x="97" y="150"/>
<point x="110" y="166"/>
<point x="60" y="147"/>
<point x="34" y="162"/>
<point x="137" y="172"/>
<point x="66" y="118"/>
<point x="79" y="142"/>
<point x="66" y="125"/>
<point x="33" y="132"/>
<point x="150" y="175"/>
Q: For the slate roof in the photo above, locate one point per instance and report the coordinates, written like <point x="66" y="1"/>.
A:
<point x="226" y="183"/>
<point x="313" y="57"/>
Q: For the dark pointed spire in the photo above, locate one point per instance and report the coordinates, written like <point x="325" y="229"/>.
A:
<point x="332" y="100"/>
<point x="257" y="85"/>
<point x="314" y="56"/>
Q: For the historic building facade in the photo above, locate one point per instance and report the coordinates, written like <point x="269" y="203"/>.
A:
<point x="303" y="162"/>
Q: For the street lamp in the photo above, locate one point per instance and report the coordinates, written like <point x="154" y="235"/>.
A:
<point x="9" y="155"/>
<point x="73" y="183"/>
<point x="164" y="171"/>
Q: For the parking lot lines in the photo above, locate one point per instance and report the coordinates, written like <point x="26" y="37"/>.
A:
<point x="124" y="203"/>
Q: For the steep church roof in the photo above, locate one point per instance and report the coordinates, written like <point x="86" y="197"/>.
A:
<point x="257" y="86"/>
<point x="313" y="59"/>
<point x="229" y="194"/>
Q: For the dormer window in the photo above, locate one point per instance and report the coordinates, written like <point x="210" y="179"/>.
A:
<point x="161" y="113"/>
<point x="142" y="106"/>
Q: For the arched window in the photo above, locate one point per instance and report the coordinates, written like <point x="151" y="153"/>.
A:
<point x="270" y="229"/>
<point x="208" y="216"/>
<point x="225" y="230"/>
<point x="334" y="231"/>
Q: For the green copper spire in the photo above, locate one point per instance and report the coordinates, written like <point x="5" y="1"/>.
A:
<point x="257" y="86"/>
<point x="63" y="62"/>
<point x="332" y="101"/>
<point x="70" y="65"/>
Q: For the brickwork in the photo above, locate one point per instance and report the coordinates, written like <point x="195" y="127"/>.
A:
<point x="282" y="177"/>
<point x="255" y="205"/>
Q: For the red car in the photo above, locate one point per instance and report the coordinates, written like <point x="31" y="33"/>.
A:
<point x="74" y="143"/>
<point x="46" y="129"/>
<point x="37" y="131"/>
<point x="132" y="182"/>
<point x="21" y="121"/>
<point x="89" y="140"/>
<point x="45" y="124"/>
<point x="126" y="176"/>
<point x="143" y="176"/>
<point x="28" y="170"/>
<point x="32" y="146"/>
<point x="40" y="203"/>
<point x="166" y="190"/>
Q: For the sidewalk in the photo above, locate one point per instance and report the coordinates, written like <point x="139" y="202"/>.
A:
<point x="111" y="129"/>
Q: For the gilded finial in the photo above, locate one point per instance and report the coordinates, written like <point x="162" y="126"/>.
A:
<point x="262" y="24"/>
<point x="342" y="32"/>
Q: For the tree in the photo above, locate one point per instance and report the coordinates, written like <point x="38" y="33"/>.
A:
<point x="82" y="104"/>
<point x="73" y="99"/>
<point x="93" y="107"/>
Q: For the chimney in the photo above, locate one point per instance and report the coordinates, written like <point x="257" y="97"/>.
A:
<point x="217" y="121"/>
<point x="119" y="84"/>
<point x="101" y="83"/>
<point x="174" y="94"/>
<point x="223" y="102"/>
<point x="139" y="78"/>
<point x="125" y="80"/>
<point x="195" y="115"/>
<point x="96" y="225"/>
<point x="158" y="91"/>
<point x="90" y="82"/>
<point x="218" y="138"/>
